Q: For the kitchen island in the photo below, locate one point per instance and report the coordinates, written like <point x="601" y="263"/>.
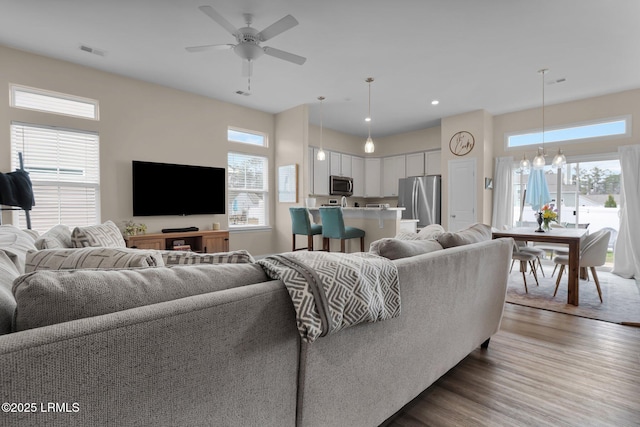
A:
<point x="377" y="223"/>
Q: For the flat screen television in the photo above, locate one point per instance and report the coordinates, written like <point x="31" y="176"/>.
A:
<point x="171" y="189"/>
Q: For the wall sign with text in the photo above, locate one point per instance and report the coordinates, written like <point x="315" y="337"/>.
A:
<point x="461" y="143"/>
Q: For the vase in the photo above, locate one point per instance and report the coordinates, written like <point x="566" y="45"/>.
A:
<point x="539" y="220"/>
<point x="546" y="224"/>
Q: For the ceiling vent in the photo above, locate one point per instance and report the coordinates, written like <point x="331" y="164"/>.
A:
<point x="241" y="92"/>
<point x="92" y="50"/>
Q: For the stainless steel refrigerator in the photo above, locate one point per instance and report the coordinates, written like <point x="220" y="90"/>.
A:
<point x="420" y="196"/>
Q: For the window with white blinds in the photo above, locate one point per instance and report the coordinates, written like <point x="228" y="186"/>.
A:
<point x="64" y="167"/>
<point x="53" y="102"/>
<point x="248" y="190"/>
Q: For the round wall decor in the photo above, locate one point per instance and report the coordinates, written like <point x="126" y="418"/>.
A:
<point x="461" y="143"/>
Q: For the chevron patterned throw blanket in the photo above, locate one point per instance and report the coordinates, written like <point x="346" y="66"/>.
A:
<point x="331" y="291"/>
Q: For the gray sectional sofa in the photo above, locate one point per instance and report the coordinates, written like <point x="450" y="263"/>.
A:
<point x="217" y="345"/>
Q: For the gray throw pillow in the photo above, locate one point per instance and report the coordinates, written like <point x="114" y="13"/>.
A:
<point x="473" y="234"/>
<point x="431" y="231"/>
<point x="15" y="243"/>
<point x="59" y="236"/>
<point x="101" y="258"/>
<point x="8" y="272"/>
<point x="105" y="235"/>
<point x="395" y="248"/>
<point x="47" y="297"/>
<point x="192" y="258"/>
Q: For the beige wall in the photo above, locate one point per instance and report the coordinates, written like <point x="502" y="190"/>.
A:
<point x="336" y="141"/>
<point x="138" y="121"/>
<point x="292" y="130"/>
<point x="601" y="107"/>
<point x="409" y="142"/>
<point x="479" y="124"/>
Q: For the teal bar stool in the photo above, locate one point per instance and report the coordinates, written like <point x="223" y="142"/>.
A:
<point x="300" y="224"/>
<point x="333" y="228"/>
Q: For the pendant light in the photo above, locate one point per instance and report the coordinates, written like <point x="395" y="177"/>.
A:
<point x="559" y="160"/>
<point x="539" y="161"/>
<point x="525" y="164"/>
<point x="321" y="156"/>
<point x="368" y="146"/>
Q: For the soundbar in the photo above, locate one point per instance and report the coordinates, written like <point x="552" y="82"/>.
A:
<point x="179" y="230"/>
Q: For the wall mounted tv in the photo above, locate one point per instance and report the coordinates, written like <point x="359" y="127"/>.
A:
<point x="170" y="189"/>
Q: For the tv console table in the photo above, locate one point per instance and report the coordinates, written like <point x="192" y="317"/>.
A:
<point x="209" y="241"/>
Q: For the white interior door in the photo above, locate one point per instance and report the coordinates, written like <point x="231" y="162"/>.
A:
<point x="462" y="193"/>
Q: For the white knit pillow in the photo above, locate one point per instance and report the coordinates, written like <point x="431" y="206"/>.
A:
<point x="103" y="235"/>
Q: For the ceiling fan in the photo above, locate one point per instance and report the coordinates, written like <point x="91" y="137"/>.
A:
<point x="248" y="39"/>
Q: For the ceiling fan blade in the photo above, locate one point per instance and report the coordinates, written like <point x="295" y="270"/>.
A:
<point x="278" y="27"/>
<point x="247" y="68"/>
<point x="296" y="59"/>
<point x="221" y="20"/>
<point x="209" y="47"/>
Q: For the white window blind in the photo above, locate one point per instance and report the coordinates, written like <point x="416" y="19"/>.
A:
<point x="64" y="168"/>
<point x="53" y="102"/>
<point x="248" y="190"/>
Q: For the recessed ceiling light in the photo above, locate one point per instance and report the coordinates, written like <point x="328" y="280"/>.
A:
<point x="367" y="119"/>
<point x="435" y="102"/>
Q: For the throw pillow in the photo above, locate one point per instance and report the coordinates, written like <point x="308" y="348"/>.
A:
<point x="406" y="235"/>
<point x="473" y="234"/>
<point x="8" y="272"/>
<point x="102" y="235"/>
<point x="431" y="231"/>
<point x="190" y="258"/>
<point x="59" y="236"/>
<point x="47" y="297"/>
<point x="15" y="243"/>
<point x="395" y="248"/>
<point x="101" y="258"/>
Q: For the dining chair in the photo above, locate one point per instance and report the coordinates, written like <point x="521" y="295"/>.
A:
<point x="300" y="224"/>
<point x="333" y="228"/>
<point x="593" y="253"/>
<point x="524" y="258"/>
<point x="524" y="247"/>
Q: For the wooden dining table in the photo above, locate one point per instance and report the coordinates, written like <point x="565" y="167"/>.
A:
<point x="568" y="236"/>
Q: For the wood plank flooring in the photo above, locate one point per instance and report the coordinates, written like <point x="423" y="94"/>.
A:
<point x="541" y="369"/>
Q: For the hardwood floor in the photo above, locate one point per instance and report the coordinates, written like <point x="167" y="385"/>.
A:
<point x="541" y="369"/>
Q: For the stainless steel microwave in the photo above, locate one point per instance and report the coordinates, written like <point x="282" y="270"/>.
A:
<point x="340" y="185"/>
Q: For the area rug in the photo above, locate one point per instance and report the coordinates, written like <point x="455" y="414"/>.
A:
<point x="621" y="297"/>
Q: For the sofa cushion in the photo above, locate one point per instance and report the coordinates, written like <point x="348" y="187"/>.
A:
<point x="191" y="258"/>
<point x="15" y="243"/>
<point x="59" y="236"/>
<point x="396" y="248"/>
<point x="46" y="297"/>
<point x="473" y="234"/>
<point x="102" y="235"/>
<point x="8" y="272"/>
<point x="101" y="258"/>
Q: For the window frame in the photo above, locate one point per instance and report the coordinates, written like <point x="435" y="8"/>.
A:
<point x="265" y="191"/>
<point x="265" y="137"/>
<point x="626" y="118"/>
<point x="13" y="88"/>
<point x="88" y="184"/>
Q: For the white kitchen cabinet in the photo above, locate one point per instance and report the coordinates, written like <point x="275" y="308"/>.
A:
<point x="340" y="164"/>
<point x="357" y="173"/>
<point x="346" y="167"/>
<point x="372" y="181"/>
<point x="335" y="163"/>
<point x="415" y="164"/>
<point x="393" y="168"/>
<point x="320" y="174"/>
<point x="432" y="162"/>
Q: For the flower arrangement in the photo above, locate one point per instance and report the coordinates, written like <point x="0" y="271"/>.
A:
<point x="131" y="228"/>
<point x="548" y="215"/>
